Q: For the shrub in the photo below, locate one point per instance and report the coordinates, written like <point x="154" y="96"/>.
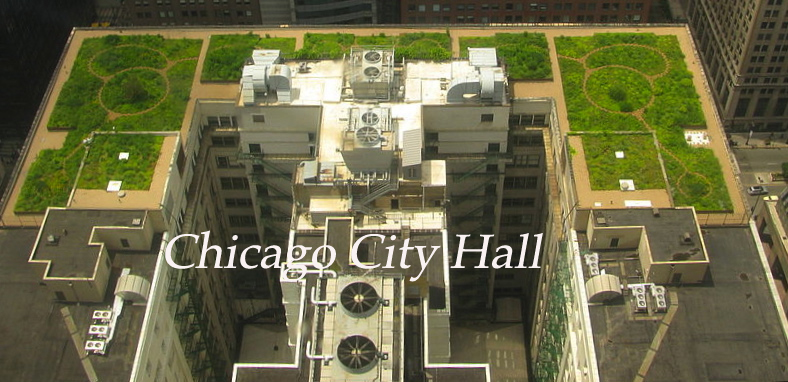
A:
<point x="227" y="53"/>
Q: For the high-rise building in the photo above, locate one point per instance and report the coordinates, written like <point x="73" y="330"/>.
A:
<point x="248" y="12"/>
<point x="552" y="11"/>
<point x="160" y="249"/>
<point x="743" y="48"/>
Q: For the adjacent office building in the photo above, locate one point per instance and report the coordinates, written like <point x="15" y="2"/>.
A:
<point x="743" y="46"/>
<point x="247" y="12"/>
<point x="553" y="11"/>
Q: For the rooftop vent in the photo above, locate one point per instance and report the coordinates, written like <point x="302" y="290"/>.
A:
<point x="136" y="222"/>
<point x="368" y="135"/>
<point x="370" y="118"/>
<point x="359" y="299"/>
<point x="372" y="56"/>
<point x="686" y="238"/>
<point x="53" y="239"/>
<point x="357" y="353"/>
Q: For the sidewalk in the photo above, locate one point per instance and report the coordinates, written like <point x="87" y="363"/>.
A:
<point x="758" y="141"/>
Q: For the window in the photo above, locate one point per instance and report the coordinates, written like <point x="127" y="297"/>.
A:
<point x="242" y="221"/>
<point x="527" y="160"/>
<point x="760" y="107"/>
<point x="487" y="117"/>
<point x="741" y="107"/>
<point x="518" y="202"/>
<point x="436" y="7"/>
<point x="125" y="243"/>
<point x="237" y="202"/>
<point x="247" y="237"/>
<point x="492" y="168"/>
<point x="516" y="220"/>
<point x="493" y="147"/>
<point x="223" y="162"/>
<point x="255" y="148"/>
<point x="223" y="141"/>
<point x="614" y="242"/>
<point x="520" y="182"/>
<point x="234" y="183"/>
<point x="527" y="140"/>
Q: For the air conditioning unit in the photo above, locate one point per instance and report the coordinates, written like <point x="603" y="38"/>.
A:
<point x="103" y="315"/>
<point x="95" y="347"/>
<point x="99" y="330"/>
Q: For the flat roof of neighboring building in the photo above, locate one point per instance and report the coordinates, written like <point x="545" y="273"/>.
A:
<point x="725" y="329"/>
<point x="665" y="228"/>
<point x="65" y="239"/>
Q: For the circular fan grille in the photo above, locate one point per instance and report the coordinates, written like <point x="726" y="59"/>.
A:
<point x="371" y="71"/>
<point x="370" y="118"/>
<point x="359" y="298"/>
<point x="372" y="56"/>
<point x="368" y="135"/>
<point x="357" y="352"/>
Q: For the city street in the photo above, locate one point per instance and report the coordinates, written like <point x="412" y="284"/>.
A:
<point x="756" y="165"/>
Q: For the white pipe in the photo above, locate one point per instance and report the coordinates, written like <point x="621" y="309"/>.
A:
<point x="319" y="302"/>
<point x="316" y="357"/>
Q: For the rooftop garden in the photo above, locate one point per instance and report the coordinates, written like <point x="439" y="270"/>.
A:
<point x="103" y="164"/>
<point x="120" y="83"/>
<point x="525" y="54"/>
<point x="615" y="82"/>
<point x="227" y="53"/>
<point x="639" y="161"/>
<point x="414" y="46"/>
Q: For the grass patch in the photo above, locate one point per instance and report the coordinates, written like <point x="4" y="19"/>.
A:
<point x="695" y="174"/>
<point x="525" y="54"/>
<point x="645" y="60"/>
<point x="640" y="162"/>
<point x="325" y="46"/>
<point x="423" y="46"/>
<point x="583" y="115"/>
<point x="618" y="89"/>
<point x="121" y="58"/>
<point x="133" y="91"/>
<point x="102" y="164"/>
<point x="227" y="53"/>
<point x="412" y="46"/>
<point x="52" y="174"/>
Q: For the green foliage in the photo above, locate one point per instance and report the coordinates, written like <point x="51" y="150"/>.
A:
<point x="227" y="53"/>
<point x="49" y="180"/>
<point x="640" y="162"/>
<point x="785" y="170"/>
<point x="380" y="39"/>
<point x="423" y="46"/>
<point x="325" y="46"/>
<point x="102" y="164"/>
<point x="525" y="54"/>
<point x="52" y="174"/>
<point x="695" y="174"/>
<point x="618" y="89"/>
<point x="119" y="58"/>
<point x="583" y="115"/>
<point x="133" y="91"/>
<point x="639" y="58"/>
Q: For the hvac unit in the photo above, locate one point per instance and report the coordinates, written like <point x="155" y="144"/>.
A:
<point x="103" y="315"/>
<point x="99" y="330"/>
<point x="660" y="298"/>
<point x="357" y="354"/>
<point x="359" y="299"/>
<point x="95" y="346"/>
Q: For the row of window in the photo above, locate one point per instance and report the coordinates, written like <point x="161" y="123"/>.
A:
<point x="520" y="182"/>
<point x="760" y="107"/>
<point x="145" y="3"/>
<point x="529" y="19"/>
<point x="532" y="6"/>
<point x="204" y="13"/>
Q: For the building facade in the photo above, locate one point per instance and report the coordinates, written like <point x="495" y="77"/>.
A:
<point x="485" y="12"/>
<point x="743" y="48"/>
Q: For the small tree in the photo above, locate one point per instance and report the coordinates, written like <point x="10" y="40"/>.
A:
<point x="134" y="91"/>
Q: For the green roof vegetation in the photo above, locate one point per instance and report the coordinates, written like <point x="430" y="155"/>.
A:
<point x="640" y="162"/>
<point x="525" y="54"/>
<point x="227" y="53"/>
<point x="102" y="163"/>
<point x="121" y="83"/>
<point x="611" y="85"/>
<point x="413" y="46"/>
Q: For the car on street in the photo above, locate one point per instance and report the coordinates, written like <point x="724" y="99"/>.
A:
<point x="757" y="190"/>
